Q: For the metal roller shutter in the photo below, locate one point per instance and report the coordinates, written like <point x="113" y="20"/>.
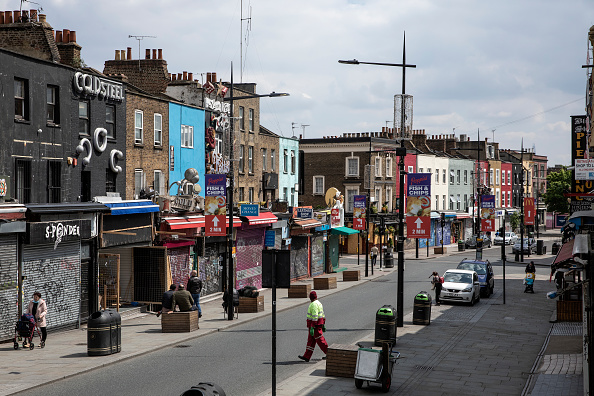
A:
<point x="55" y="273"/>
<point x="9" y="292"/>
<point x="299" y="257"/>
<point x="317" y="255"/>
<point x="249" y="258"/>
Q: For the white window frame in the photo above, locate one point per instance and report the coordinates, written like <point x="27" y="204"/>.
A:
<point x="264" y="155"/>
<point x="350" y="192"/>
<point x="457" y="201"/>
<point x="444" y="202"/>
<point x="138" y="186"/>
<point x="272" y="160"/>
<point x="241" y="118"/>
<point x="286" y="194"/>
<point x="497" y="198"/>
<point x="251" y="194"/>
<point x="389" y="198"/>
<point x="347" y="161"/>
<point x="285" y="161"/>
<point x="251" y="119"/>
<point x="219" y="142"/>
<point x="444" y="177"/>
<point x="293" y="162"/>
<point x="458" y="176"/>
<point x="138" y="129"/>
<point x="250" y="159"/>
<point x="509" y="178"/>
<point x="436" y="175"/>
<point x="241" y="162"/>
<point x="377" y="194"/>
<point x="321" y="190"/>
<point x="465" y="176"/>
<point x="187" y="136"/>
<point x="497" y="176"/>
<point x="490" y="181"/>
<point x="411" y="169"/>
<point x="378" y="166"/>
<point x="160" y="186"/>
<point x="388" y="167"/>
<point x="158" y="129"/>
<point x="437" y="202"/>
<point x="452" y="200"/>
<point x="466" y="202"/>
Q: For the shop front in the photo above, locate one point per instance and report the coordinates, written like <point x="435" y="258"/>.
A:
<point x="12" y="226"/>
<point x="301" y="247"/>
<point x="337" y="234"/>
<point x="249" y="245"/>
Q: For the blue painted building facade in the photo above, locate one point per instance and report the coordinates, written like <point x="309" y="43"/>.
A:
<point x="186" y="143"/>
<point x="288" y="170"/>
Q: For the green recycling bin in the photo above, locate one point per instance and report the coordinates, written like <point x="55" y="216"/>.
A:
<point x="385" y="326"/>
<point x="422" y="309"/>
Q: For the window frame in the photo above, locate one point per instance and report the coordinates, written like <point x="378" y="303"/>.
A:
<point x="158" y="131"/>
<point x="465" y="176"/>
<point x="241" y="162"/>
<point x="350" y="191"/>
<point x="251" y="194"/>
<point x="160" y="187"/>
<point x="436" y="175"/>
<point x="264" y="157"/>
<point x="110" y="125"/>
<point x="110" y="180"/>
<point x="285" y="161"/>
<point x="273" y="160"/>
<point x="55" y="105"/>
<point x="242" y="118"/>
<point x="378" y="166"/>
<point x="138" y="188"/>
<point x="444" y="176"/>
<point x="139" y="129"/>
<point x="250" y="159"/>
<point x="54" y="191"/>
<point x="497" y="177"/>
<point x="23" y="183"/>
<point x="251" y="120"/>
<point x="389" y="172"/>
<point x="187" y="136"/>
<point x="458" y="176"/>
<point x="21" y="103"/>
<point x="85" y="118"/>
<point x="315" y="191"/>
<point x="293" y="162"/>
<point x="347" y="162"/>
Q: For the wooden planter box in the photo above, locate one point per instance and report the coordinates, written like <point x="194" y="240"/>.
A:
<point x="299" y="291"/>
<point x="179" y="322"/>
<point x="325" y="283"/>
<point x="438" y="250"/>
<point x="251" y="304"/>
<point x="341" y="360"/>
<point x="351" y="275"/>
<point x="569" y="311"/>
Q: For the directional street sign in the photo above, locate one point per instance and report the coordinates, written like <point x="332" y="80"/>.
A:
<point x="215" y="225"/>
<point x="418" y="227"/>
<point x="418" y="206"/>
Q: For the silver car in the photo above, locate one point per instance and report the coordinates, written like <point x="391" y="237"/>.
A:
<point x="461" y="285"/>
<point x="510" y="238"/>
<point x="529" y="246"/>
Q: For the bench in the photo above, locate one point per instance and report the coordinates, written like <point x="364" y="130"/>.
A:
<point x="179" y="322"/>
<point x="251" y="304"/>
<point x="325" y="283"/>
<point x="351" y="275"/>
<point x="341" y="360"/>
<point x="299" y="291"/>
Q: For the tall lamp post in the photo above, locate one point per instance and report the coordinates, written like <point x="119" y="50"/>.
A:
<point x="401" y="152"/>
<point x="230" y="258"/>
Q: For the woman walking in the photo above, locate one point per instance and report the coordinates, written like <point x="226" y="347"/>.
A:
<point x="38" y="308"/>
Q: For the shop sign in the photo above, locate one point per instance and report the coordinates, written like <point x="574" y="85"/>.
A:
<point x="269" y="238"/>
<point x="171" y="158"/>
<point x="584" y="169"/>
<point x="321" y="217"/>
<point x="249" y="210"/>
<point x="418" y="206"/>
<point x="215" y="225"/>
<point x="58" y="231"/>
<point x="219" y="164"/>
<point x="183" y="203"/>
<point x="215" y="202"/>
<point x="302" y="213"/>
<point x="579" y="150"/>
<point x="97" y="86"/>
<point x="216" y="105"/>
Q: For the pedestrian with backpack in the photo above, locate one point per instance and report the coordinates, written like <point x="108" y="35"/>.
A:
<point x="194" y="286"/>
<point x="436" y="281"/>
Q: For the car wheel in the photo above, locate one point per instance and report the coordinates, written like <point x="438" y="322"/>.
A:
<point x="478" y="299"/>
<point x="472" y="301"/>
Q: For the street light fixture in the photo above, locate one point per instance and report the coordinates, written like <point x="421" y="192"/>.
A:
<point x="230" y="258"/>
<point x="401" y="152"/>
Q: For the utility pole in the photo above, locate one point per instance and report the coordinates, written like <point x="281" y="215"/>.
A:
<point x="522" y="205"/>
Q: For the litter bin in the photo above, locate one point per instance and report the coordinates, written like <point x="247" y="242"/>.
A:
<point x="385" y="325"/>
<point x="104" y="333"/>
<point x="556" y="247"/>
<point x="422" y="309"/>
<point x="461" y="246"/>
<point x="540" y="247"/>
<point x="389" y="260"/>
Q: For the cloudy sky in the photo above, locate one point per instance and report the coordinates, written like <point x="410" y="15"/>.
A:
<point x="510" y="69"/>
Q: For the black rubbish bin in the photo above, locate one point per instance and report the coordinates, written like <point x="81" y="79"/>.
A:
<point x="104" y="333"/>
<point x="461" y="246"/>
<point x="556" y="247"/>
<point x="389" y="260"/>
<point x="422" y="309"/>
<point x="385" y="325"/>
<point x="540" y="247"/>
<point x="205" y="389"/>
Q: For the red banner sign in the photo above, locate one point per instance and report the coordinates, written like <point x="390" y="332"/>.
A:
<point x="529" y="211"/>
<point x="215" y="225"/>
<point x="358" y="224"/>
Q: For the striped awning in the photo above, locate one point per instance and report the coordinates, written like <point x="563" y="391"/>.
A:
<point x="130" y="207"/>
<point x="198" y="221"/>
<point x="262" y="218"/>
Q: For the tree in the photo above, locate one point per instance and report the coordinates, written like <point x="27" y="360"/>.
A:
<point x="558" y="183"/>
<point x="514" y="220"/>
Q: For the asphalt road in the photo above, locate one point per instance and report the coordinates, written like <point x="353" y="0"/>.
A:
<point x="239" y="358"/>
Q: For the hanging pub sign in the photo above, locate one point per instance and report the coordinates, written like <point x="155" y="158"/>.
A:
<point x="529" y="211"/>
<point x="487" y="213"/>
<point x="418" y="206"/>
<point x="359" y="206"/>
<point x="215" y="205"/>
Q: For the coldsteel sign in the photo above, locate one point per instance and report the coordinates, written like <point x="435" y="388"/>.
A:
<point x="96" y="86"/>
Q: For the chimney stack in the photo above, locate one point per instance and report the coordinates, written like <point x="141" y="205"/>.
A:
<point x="17" y="16"/>
<point x="185" y="76"/>
<point x="129" y="53"/>
<point x="154" y="54"/>
<point x="33" y="15"/>
<point x="58" y="36"/>
<point x="160" y="52"/>
<point x="191" y="76"/>
<point x="117" y="54"/>
<point x="147" y="54"/>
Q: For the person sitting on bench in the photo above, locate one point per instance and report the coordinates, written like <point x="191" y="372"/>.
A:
<point x="183" y="299"/>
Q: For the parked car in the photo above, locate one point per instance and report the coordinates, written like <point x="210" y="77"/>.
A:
<point x="510" y="238"/>
<point x="471" y="242"/>
<point x="461" y="285"/>
<point x="484" y="269"/>
<point x="529" y="246"/>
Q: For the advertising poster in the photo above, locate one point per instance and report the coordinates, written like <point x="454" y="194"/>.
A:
<point x="529" y="210"/>
<point x="359" y="205"/>
<point x="579" y="150"/>
<point x="418" y="205"/>
<point x="334" y="217"/>
<point x="487" y="213"/>
<point x="215" y="205"/>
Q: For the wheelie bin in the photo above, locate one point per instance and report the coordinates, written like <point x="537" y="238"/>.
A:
<point x="422" y="309"/>
<point x="385" y="326"/>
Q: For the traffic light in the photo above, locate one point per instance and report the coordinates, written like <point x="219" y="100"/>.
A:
<point x="442" y="219"/>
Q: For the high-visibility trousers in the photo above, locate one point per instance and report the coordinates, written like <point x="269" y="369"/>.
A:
<point x="318" y="338"/>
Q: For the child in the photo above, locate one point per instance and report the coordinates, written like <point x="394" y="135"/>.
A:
<point x="529" y="282"/>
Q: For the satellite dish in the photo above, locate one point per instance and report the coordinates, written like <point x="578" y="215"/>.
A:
<point x="191" y="175"/>
<point x="331" y="196"/>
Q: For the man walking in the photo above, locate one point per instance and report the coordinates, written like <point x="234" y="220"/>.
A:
<point x="194" y="286"/>
<point x="316" y="324"/>
<point x="374" y="253"/>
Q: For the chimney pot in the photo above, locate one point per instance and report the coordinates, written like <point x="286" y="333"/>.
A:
<point x="129" y="53"/>
<point x="191" y="76"/>
<point x="25" y="16"/>
<point x="154" y="54"/>
<point x="33" y="15"/>
<point x="185" y="76"/>
<point x="160" y="52"/>
<point x="73" y="36"/>
<point x="147" y="54"/>
<point x="58" y="36"/>
<point x="173" y="77"/>
<point x="8" y="17"/>
<point x="170" y="78"/>
<point x="117" y="54"/>
<point x="1" y="17"/>
<point x="17" y="16"/>
<point x="214" y="77"/>
<point x="66" y="36"/>
<point x="42" y="18"/>
<point x="179" y="76"/>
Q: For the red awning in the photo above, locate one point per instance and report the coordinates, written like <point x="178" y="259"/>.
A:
<point x="305" y="224"/>
<point x="462" y="215"/>
<point x="565" y="254"/>
<point x="12" y="211"/>
<point x="263" y="218"/>
<point x="179" y="223"/>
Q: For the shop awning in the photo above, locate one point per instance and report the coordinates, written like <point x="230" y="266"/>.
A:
<point x="132" y="207"/>
<point x="12" y="211"/>
<point x="343" y="231"/>
<point x="565" y="254"/>
<point x="306" y="224"/>
<point x="66" y="207"/>
<point x="262" y="218"/>
<point x="179" y="223"/>
<point x="463" y="215"/>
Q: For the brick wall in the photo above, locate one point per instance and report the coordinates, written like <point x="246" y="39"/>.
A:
<point x="146" y="156"/>
<point x="150" y="75"/>
<point x="28" y="39"/>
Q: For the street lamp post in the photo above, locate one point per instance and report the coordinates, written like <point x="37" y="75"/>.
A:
<point x="401" y="152"/>
<point x="230" y="258"/>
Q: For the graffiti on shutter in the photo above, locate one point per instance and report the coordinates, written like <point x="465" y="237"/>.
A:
<point x="8" y="286"/>
<point x="180" y="264"/>
<point x="317" y="255"/>
<point x="249" y="258"/>
<point x="299" y="257"/>
<point x="209" y="270"/>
